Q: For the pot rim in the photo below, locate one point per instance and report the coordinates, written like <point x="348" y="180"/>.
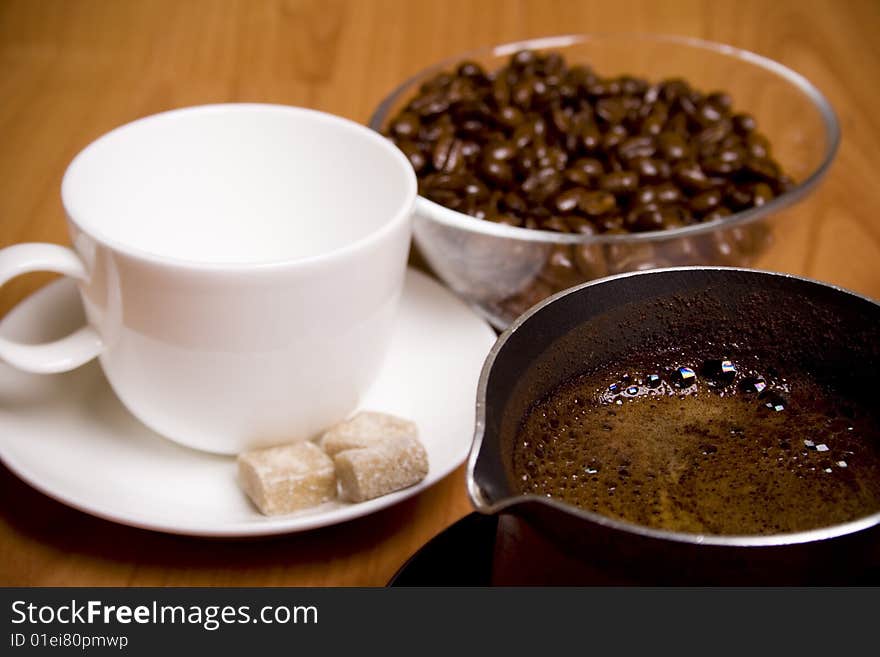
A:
<point x="484" y="506"/>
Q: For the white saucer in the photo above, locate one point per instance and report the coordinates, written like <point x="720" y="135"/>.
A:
<point x="68" y="436"/>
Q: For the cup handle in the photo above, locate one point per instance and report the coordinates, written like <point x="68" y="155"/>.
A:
<point x="61" y="355"/>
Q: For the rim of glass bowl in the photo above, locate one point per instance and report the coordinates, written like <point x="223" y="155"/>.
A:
<point x="466" y="222"/>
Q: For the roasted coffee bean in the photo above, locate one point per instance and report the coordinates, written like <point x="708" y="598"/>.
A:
<point x="540" y="214"/>
<point x="783" y="184"/>
<point x="521" y="94"/>
<point x="750" y="239"/>
<point x="576" y="176"/>
<point x="762" y="168"/>
<point x="597" y="88"/>
<point x="580" y="225"/>
<point x="561" y="119"/>
<point x="589" y="138"/>
<point x="497" y="172"/>
<point x="761" y="194"/>
<point x="625" y="256"/>
<point x="673" y="146"/>
<point x="721" y="100"/>
<point x="525" y="160"/>
<point x="538" y="126"/>
<point x="444" y="197"/>
<point x="690" y="176"/>
<point x="596" y="203"/>
<point x="501" y="151"/>
<point x="544" y="92"/>
<point x="653" y="124"/>
<point x="415" y="156"/>
<point x="439" y="81"/>
<point x="721" y="248"/>
<point x="523" y="59"/>
<point x="590" y="166"/>
<point x="743" y="124"/>
<point x="738" y="197"/>
<point x="560" y="270"/>
<point x="611" y="110"/>
<point x="447" y="154"/>
<point x="637" y="147"/>
<point x="657" y="217"/>
<point x="542" y="184"/>
<point x="509" y="116"/>
<point x="556" y="224"/>
<point x="717" y="213"/>
<point x="590" y="261"/>
<point x="651" y="170"/>
<point x="757" y="145"/>
<point x="646" y="196"/>
<point x="675" y="216"/>
<point x="667" y="193"/>
<point x="644" y="219"/>
<point x="513" y="202"/>
<point x="446" y="181"/>
<point x="678" y="124"/>
<point x="688" y="105"/>
<point x="469" y="69"/>
<point x="543" y="145"/>
<point x="672" y="90"/>
<point x="569" y="200"/>
<point x="713" y="134"/>
<point x="476" y="189"/>
<point x="552" y="157"/>
<point x="470" y="149"/>
<point x="616" y="135"/>
<point x="471" y="128"/>
<point x="406" y="125"/>
<point x="610" y="223"/>
<point x="431" y="132"/>
<point x="706" y="201"/>
<point x="725" y="161"/>
<point x="523" y="135"/>
<point x="431" y="105"/>
<point x="708" y="113"/>
<point x="619" y="182"/>
<point x="460" y="91"/>
<point x="681" y="251"/>
<point x="507" y="220"/>
<point x="553" y="63"/>
<point x="536" y="291"/>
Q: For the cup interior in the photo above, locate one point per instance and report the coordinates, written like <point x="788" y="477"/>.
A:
<point x="238" y="184"/>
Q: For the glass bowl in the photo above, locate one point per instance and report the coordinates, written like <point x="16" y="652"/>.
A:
<point x="503" y="270"/>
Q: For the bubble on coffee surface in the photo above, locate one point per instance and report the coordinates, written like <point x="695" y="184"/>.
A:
<point x="715" y="447"/>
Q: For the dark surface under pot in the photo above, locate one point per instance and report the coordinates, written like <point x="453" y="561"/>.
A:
<point x="502" y="550"/>
<point x="831" y="334"/>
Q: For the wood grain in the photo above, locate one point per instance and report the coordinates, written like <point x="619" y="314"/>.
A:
<point x="72" y="69"/>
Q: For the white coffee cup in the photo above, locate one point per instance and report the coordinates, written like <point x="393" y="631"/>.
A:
<point x="240" y="267"/>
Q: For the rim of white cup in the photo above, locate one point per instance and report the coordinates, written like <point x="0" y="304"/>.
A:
<point x="409" y="187"/>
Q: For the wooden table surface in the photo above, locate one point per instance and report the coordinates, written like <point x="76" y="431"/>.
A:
<point x="72" y="69"/>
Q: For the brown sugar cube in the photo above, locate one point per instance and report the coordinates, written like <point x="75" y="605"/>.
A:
<point x="365" y="430"/>
<point x="287" y="478"/>
<point x="383" y="468"/>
